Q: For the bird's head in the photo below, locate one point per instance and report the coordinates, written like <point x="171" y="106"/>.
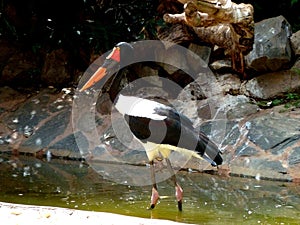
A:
<point x="121" y="55"/>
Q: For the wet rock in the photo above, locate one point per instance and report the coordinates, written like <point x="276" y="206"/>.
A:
<point x="29" y="114"/>
<point x="260" y="168"/>
<point x="295" y="42"/>
<point x="271" y="49"/>
<point x="70" y="146"/>
<point x="47" y="132"/>
<point x="263" y="164"/>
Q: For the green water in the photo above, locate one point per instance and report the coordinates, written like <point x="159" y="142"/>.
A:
<point x="208" y="199"/>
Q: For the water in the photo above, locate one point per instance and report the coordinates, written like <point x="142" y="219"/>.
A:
<point x="208" y="199"/>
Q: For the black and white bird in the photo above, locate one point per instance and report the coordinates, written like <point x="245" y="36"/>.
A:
<point x="158" y="127"/>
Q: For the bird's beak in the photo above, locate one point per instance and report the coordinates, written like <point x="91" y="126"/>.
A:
<point x="111" y="61"/>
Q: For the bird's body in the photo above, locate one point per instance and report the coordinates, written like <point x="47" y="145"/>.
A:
<point x="159" y="128"/>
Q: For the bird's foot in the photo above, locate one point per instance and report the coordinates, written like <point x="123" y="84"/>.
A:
<point x="179" y="196"/>
<point x="154" y="198"/>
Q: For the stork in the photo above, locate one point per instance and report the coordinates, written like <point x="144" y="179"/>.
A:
<point x="158" y="127"/>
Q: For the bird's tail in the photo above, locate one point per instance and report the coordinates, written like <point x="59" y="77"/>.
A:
<point x="209" y="150"/>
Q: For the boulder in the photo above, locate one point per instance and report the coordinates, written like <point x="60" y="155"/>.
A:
<point x="271" y="50"/>
<point x="20" y="69"/>
<point x="55" y="70"/>
<point x="273" y="84"/>
<point x="295" y="42"/>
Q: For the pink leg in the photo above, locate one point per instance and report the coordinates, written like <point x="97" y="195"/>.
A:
<point x="179" y="195"/>
<point x="178" y="189"/>
<point x="155" y="195"/>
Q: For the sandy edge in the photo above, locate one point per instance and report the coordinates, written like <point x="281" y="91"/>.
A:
<point x="19" y="214"/>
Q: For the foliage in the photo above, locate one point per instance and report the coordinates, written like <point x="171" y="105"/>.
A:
<point x="72" y="24"/>
<point x="288" y="100"/>
<point x="293" y="2"/>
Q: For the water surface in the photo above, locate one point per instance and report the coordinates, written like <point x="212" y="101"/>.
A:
<point x="208" y="199"/>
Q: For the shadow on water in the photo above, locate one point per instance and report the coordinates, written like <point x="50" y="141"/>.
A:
<point x="208" y="199"/>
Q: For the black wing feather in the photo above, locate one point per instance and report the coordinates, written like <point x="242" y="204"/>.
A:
<point x="176" y="130"/>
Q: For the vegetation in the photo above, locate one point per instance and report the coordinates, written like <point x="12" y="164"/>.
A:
<point x="72" y="24"/>
<point x="289" y="101"/>
<point x="99" y="24"/>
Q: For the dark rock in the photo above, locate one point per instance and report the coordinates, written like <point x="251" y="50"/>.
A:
<point x="21" y="70"/>
<point x="10" y="98"/>
<point x="269" y="131"/>
<point x="55" y="71"/>
<point x="263" y="164"/>
<point x="225" y="131"/>
<point x="281" y="147"/>
<point x="271" y="49"/>
<point x="70" y="146"/>
<point x="246" y="150"/>
<point x="48" y="131"/>
<point x="29" y="114"/>
<point x="294" y="157"/>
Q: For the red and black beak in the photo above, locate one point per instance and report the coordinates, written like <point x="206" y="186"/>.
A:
<point x="111" y="61"/>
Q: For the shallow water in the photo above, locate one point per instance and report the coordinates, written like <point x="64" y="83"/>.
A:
<point x="208" y="199"/>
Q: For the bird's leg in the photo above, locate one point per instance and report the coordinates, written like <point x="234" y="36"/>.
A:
<point x="155" y="195"/>
<point x="178" y="189"/>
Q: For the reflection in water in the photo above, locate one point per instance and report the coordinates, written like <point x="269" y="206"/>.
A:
<point x="208" y="199"/>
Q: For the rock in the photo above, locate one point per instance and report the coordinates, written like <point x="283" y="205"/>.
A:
<point x="269" y="131"/>
<point x="221" y="66"/>
<point x="229" y="83"/>
<point x="238" y="106"/>
<point x="271" y="49"/>
<point x="47" y="133"/>
<point x="246" y="150"/>
<point x="272" y="84"/>
<point x="295" y="42"/>
<point x="203" y="51"/>
<point x="21" y="69"/>
<point x="10" y="98"/>
<point x="6" y="51"/>
<point x="294" y="157"/>
<point x="29" y="114"/>
<point x="69" y="146"/>
<point x="55" y="70"/>
<point x="228" y="134"/>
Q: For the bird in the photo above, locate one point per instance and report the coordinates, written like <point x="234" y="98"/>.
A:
<point x="159" y="127"/>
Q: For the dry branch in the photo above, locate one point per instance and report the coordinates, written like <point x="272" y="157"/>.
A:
<point x="220" y="22"/>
